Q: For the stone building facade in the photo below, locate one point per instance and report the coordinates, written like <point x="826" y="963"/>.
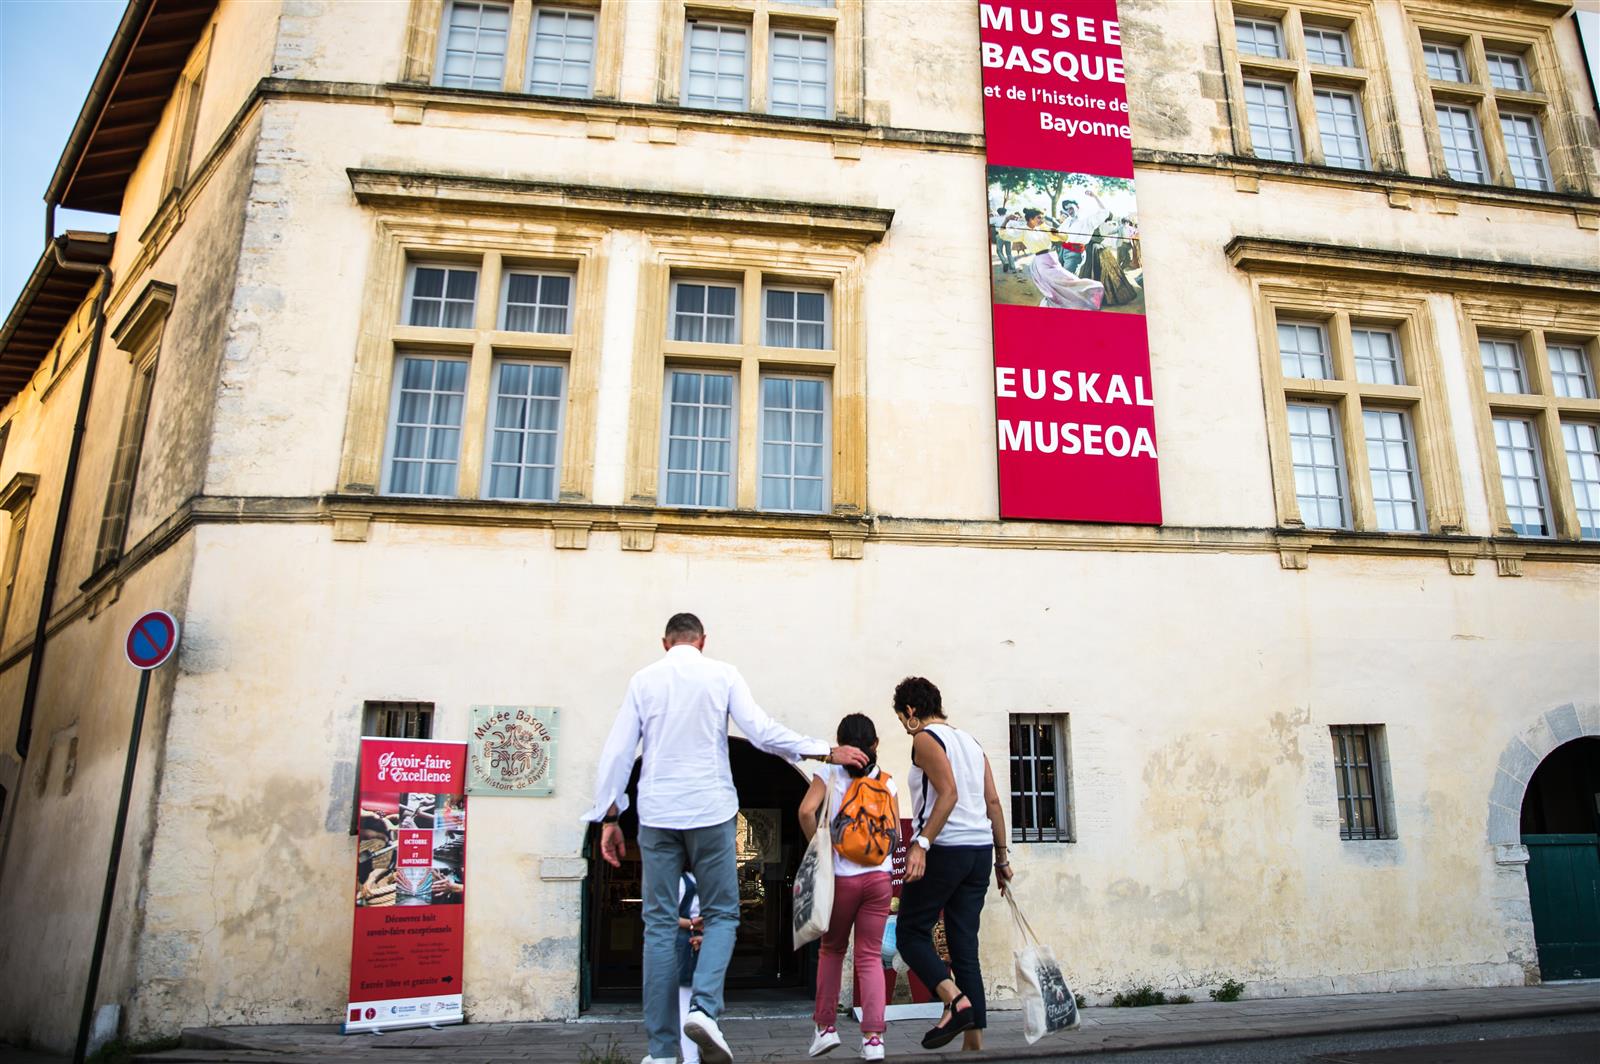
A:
<point x="1278" y="746"/>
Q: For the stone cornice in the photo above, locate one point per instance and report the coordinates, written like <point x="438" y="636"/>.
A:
<point x="1295" y="258"/>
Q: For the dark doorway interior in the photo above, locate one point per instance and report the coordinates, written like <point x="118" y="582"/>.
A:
<point x="1561" y="829"/>
<point x="769" y="847"/>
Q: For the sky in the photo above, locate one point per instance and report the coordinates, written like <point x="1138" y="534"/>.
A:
<point x="49" y="52"/>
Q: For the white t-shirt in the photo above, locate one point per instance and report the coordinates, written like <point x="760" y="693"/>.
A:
<point x="839" y="780"/>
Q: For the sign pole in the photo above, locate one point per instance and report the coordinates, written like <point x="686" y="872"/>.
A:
<point x="98" y="955"/>
<point x="151" y="641"/>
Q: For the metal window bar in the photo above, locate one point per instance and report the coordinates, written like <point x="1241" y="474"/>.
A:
<point x="1356" y="775"/>
<point x="1040" y="810"/>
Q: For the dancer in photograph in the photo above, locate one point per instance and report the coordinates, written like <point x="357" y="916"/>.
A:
<point x="863" y="831"/>
<point x="960" y="832"/>
<point x="1059" y="286"/>
<point x="676" y="715"/>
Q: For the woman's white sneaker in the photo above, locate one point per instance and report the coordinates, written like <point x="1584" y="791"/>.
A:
<point x="826" y="1040"/>
<point x="872" y="1047"/>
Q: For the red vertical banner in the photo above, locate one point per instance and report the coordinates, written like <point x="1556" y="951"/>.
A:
<point x="410" y="888"/>
<point x="1074" y="406"/>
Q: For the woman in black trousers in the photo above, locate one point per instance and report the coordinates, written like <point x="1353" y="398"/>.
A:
<point x="958" y="833"/>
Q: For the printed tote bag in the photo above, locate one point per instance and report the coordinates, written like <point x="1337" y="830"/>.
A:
<point x="813" y="883"/>
<point x="1048" y="1005"/>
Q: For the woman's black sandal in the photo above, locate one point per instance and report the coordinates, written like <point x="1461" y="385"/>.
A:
<point x="960" y="1020"/>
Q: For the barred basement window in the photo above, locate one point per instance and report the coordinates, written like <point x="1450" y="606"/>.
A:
<point x="1360" y="772"/>
<point x="397" y="720"/>
<point x="1041" y="782"/>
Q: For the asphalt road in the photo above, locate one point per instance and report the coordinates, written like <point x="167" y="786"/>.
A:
<point x="1555" y="1040"/>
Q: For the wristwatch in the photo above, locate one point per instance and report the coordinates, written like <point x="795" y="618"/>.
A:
<point x="610" y="818"/>
<point x="922" y="840"/>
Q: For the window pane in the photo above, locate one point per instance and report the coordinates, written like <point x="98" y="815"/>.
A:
<point x="1570" y="372"/>
<point x="1303" y="349"/>
<point x="1377" y="356"/>
<point x="1318" y="465"/>
<point x="1525" y="151"/>
<point x="1458" y="136"/>
<point x="1444" y="62"/>
<point x="705" y="313"/>
<point x="715" y="64"/>
<point x="425" y="439"/>
<point x="796" y="319"/>
<point x="699" y="453"/>
<point x="793" y="458"/>
<point x="1521" y="480"/>
<point x="475" y="45"/>
<point x="536" y="303"/>
<point x="1506" y="71"/>
<point x="1273" y="132"/>
<point x="1327" y="46"/>
<point x="1503" y="367"/>
<point x="562" y="53"/>
<point x="527" y="420"/>
<point x="800" y="78"/>
<point x="1395" y="489"/>
<point x="1258" y="37"/>
<point x="1344" y="141"/>
<point x="1582" y="442"/>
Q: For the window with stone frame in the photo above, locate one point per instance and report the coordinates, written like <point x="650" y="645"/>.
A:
<point x="17" y="500"/>
<point x="754" y="349"/>
<point x="1495" y="111"/>
<point x="765" y="57"/>
<point x="1355" y="403"/>
<point x="1041" y="778"/>
<point x="481" y="352"/>
<point x="1361" y="782"/>
<point x="571" y="48"/>
<point x="1310" y="84"/>
<point x="139" y="333"/>
<point x="1533" y="372"/>
<point x="754" y="355"/>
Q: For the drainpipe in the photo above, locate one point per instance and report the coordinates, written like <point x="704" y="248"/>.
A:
<point x="69" y="481"/>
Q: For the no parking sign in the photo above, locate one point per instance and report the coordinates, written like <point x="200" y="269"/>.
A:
<point x="152" y="639"/>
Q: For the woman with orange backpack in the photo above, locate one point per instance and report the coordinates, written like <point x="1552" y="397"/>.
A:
<point x="864" y="817"/>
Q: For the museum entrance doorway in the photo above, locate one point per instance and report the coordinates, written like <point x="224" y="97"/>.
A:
<point x="769" y="849"/>
<point x="1561" y="829"/>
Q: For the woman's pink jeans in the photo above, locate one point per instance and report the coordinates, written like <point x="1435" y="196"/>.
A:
<point x="861" y="902"/>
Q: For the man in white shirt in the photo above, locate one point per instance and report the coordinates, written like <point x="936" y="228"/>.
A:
<point x="679" y="709"/>
<point x="1080" y="226"/>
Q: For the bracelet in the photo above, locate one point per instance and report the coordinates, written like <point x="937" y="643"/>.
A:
<point x="1002" y="864"/>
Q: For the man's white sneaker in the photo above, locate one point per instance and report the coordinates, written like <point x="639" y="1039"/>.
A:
<point x="704" y="1032"/>
<point x="648" y="1059"/>
<point x="824" y="1041"/>
<point x="872" y="1047"/>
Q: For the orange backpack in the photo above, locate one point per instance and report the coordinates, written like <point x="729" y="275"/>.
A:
<point x="864" y="829"/>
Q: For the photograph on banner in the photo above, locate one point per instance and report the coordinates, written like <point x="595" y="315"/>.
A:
<point x="1065" y="241"/>
<point x="411" y="850"/>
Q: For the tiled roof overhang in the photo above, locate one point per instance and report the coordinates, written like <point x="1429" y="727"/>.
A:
<point x="136" y="78"/>
<point x="48" y="301"/>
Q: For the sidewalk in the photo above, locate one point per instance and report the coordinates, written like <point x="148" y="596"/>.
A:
<point x="762" y="1036"/>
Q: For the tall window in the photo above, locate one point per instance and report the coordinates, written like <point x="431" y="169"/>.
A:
<point x="1273" y="130"/>
<point x="478" y="393"/>
<point x="525" y="433"/>
<point x="794" y="444"/>
<point x="1041" y="799"/>
<point x="700" y="433"/>
<point x="472" y="48"/>
<point x="716" y="66"/>
<point x="1351" y="399"/>
<point x="1308" y="87"/>
<point x="1344" y="142"/>
<point x="17" y="500"/>
<point x="802" y="74"/>
<point x="1458" y="135"/>
<point x="425" y="442"/>
<point x="1582" y="440"/>
<point x="139" y="333"/>
<point x="1537" y="422"/>
<point x="1490" y="106"/>
<point x="1360" y="777"/>
<point x="561" y="57"/>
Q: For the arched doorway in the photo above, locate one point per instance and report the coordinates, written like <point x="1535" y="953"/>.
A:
<point x="1561" y="829"/>
<point x="770" y="847"/>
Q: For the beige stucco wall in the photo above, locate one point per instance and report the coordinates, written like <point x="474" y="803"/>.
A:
<point x="1199" y="689"/>
<point x="1200" y="683"/>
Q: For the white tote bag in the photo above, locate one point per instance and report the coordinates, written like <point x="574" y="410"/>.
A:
<point x="1048" y="1005"/>
<point x="813" y="883"/>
